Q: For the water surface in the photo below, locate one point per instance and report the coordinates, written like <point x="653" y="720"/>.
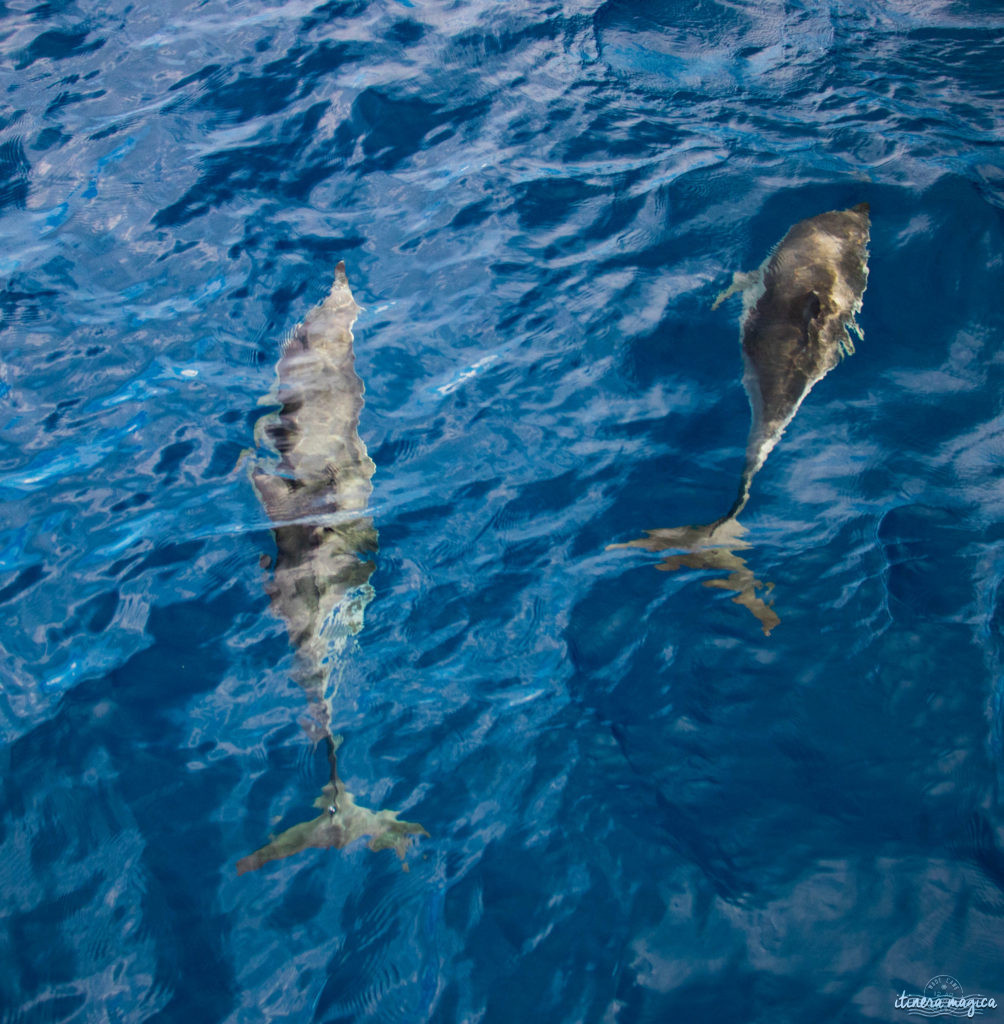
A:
<point x="639" y="807"/>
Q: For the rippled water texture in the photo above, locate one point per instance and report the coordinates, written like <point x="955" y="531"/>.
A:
<point x="640" y="808"/>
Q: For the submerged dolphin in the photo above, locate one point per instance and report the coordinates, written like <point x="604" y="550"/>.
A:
<point x="316" y="494"/>
<point x="797" y="309"/>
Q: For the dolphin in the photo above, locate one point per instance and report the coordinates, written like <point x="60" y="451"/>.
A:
<point x="315" y="487"/>
<point x="799" y="309"/>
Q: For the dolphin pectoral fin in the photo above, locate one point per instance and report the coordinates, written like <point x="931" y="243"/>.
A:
<point x="244" y="457"/>
<point x="650" y="542"/>
<point x="687" y="538"/>
<point x="722" y="533"/>
<point x="294" y="839"/>
<point x="741" y="280"/>
<point x="853" y="330"/>
<point x="272" y="490"/>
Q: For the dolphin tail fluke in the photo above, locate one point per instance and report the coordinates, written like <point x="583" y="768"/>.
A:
<point x="712" y="548"/>
<point x="341" y="821"/>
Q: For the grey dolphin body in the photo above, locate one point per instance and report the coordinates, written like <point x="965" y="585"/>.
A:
<point x="798" y="307"/>
<point x="316" y="494"/>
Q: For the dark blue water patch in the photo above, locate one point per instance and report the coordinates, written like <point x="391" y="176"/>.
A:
<point x="393" y="127"/>
<point x="225" y="457"/>
<point x="14" y="174"/>
<point x="332" y="11"/>
<point x="93" y="615"/>
<point x="64" y="99"/>
<point x="51" y="422"/>
<point x="925" y="549"/>
<point x="295" y="75"/>
<point x="136" y="500"/>
<point x="246" y="169"/>
<point x="665" y="731"/>
<point x="142" y="739"/>
<point x="56" y="44"/>
<point x="639" y="807"/>
<point x="78" y="823"/>
<point x="172" y="457"/>
<point x="24" y="579"/>
<point x="163" y="557"/>
<point x="26" y="301"/>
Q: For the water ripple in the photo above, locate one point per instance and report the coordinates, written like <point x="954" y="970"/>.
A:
<point x="638" y="807"/>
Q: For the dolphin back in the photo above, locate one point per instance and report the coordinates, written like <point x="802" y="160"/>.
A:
<point x="322" y="460"/>
<point x="316" y="484"/>
<point x="798" y="310"/>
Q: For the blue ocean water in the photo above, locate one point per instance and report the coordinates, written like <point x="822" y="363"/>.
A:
<point x="640" y="808"/>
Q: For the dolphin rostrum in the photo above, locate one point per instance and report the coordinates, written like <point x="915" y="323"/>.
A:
<point x="798" y="308"/>
<point x="316" y="494"/>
